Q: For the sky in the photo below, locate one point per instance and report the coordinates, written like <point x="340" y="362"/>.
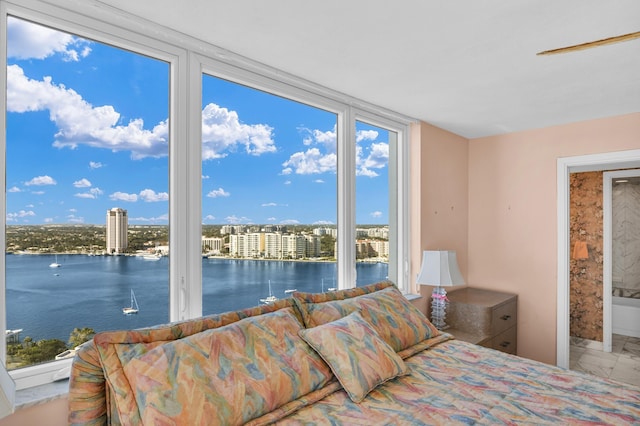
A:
<point x="87" y="130"/>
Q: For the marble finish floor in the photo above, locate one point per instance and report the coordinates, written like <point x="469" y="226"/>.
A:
<point x="622" y="364"/>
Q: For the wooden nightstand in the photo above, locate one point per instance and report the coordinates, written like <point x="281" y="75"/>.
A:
<point x="484" y="317"/>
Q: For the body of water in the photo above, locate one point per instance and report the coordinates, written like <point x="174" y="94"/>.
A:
<point x="90" y="291"/>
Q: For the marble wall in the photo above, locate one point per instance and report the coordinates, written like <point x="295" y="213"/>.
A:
<point x="585" y="274"/>
<point x="626" y="238"/>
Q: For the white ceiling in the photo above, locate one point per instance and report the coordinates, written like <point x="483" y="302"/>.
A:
<point x="467" y="66"/>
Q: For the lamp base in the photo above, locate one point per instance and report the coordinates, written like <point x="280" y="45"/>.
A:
<point x="439" y="304"/>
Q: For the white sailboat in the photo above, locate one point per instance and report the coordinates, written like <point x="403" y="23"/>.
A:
<point x="55" y="264"/>
<point x="271" y="298"/>
<point x="133" y="308"/>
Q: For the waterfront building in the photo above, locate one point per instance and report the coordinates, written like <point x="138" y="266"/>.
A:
<point x="117" y="229"/>
<point x="212" y="245"/>
<point x="293" y="246"/>
<point x="239" y="245"/>
<point x="313" y="246"/>
<point x="273" y="245"/>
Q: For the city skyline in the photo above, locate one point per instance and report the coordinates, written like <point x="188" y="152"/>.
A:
<point x="87" y="130"/>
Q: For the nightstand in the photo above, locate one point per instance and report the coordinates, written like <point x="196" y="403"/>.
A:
<point x="484" y="317"/>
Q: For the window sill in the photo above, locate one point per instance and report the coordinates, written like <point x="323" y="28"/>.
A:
<point x="411" y="297"/>
<point x="41" y="394"/>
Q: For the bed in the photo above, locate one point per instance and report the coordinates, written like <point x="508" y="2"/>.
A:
<point x="363" y="356"/>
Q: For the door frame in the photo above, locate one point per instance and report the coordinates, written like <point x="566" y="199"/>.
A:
<point x="565" y="166"/>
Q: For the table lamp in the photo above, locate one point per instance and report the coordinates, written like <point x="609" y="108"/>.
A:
<point x="439" y="269"/>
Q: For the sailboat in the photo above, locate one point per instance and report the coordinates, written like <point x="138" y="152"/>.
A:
<point x="133" y="309"/>
<point x="55" y="264"/>
<point x="271" y="298"/>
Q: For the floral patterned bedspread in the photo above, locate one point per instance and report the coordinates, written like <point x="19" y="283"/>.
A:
<point x="459" y="383"/>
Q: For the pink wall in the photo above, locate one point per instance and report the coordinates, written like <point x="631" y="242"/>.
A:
<point x="512" y="216"/>
<point x="439" y="202"/>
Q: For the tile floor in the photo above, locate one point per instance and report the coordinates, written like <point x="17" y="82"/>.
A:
<point x="622" y="364"/>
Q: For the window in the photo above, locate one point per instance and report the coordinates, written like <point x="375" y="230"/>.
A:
<point x="86" y="191"/>
<point x="268" y="196"/>
<point x="373" y="205"/>
<point x="191" y="192"/>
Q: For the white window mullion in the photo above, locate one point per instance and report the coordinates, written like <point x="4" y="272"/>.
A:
<point x="185" y="176"/>
<point x="346" y="149"/>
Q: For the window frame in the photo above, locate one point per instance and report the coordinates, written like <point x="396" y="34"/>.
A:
<point x="188" y="59"/>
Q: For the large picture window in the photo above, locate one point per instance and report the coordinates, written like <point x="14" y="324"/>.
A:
<point x="86" y="230"/>
<point x="149" y="180"/>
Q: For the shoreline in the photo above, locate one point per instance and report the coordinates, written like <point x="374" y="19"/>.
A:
<point x="317" y="260"/>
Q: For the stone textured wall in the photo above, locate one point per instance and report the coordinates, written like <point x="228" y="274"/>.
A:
<point x="585" y="276"/>
<point x="626" y="238"/>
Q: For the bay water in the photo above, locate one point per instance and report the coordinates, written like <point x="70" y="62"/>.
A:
<point x="90" y="291"/>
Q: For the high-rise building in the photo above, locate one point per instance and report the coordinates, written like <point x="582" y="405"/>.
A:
<point x="117" y="228"/>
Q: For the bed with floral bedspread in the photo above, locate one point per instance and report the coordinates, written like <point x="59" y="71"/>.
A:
<point x="363" y="356"/>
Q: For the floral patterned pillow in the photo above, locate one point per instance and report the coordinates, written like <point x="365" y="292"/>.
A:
<point x="228" y="375"/>
<point x="398" y="322"/>
<point x="358" y="357"/>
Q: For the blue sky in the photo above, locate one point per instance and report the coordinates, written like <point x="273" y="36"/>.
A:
<point x="87" y="131"/>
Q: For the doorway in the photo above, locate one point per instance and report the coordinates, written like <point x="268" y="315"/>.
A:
<point x="565" y="166"/>
<point x="621" y="272"/>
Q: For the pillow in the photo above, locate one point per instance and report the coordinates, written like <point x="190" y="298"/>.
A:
<point x="358" y="357"/>
<point x="228" y="375"/>
<point x="398" y="322"/>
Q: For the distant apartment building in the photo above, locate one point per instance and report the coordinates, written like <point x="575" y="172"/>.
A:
<point x="372" y="248"/>
<point x="117" y="230"/>
<point x="212" y="245"/>
<point x="232" y="229"/>
<point x="326" y="231"/>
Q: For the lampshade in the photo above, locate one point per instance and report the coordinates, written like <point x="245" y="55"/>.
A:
<point x="7" y="392"/>
<point x="440" y="268"/>
<point x="580" y="250"/>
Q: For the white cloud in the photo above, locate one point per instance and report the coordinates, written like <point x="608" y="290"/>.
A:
<point x="123" y="196"/>
<point x="366" y="135"/>
<point x="376" y="214"/>
<point x="32" y="41"/>
<point x="82" y="183"/>
<point x="79" y="122"/>
<point x="160" y="219"/>
<point x="73" y="210"/>
<point x="268" y="205"/>
<point x="318" y="181"/>
<point x="93" y="193"/>
<point x="377" y="158"/>
<point x="290" y="222"/>
<point x="41" y="180"/>
<point x="14" y="189"/>
<point x="205" y="177"/>
<point x="37" y="192"/>
<point x="323" y="222"/>
<point x="234" y="220"/>
<point x="95" y="165"/>
<point x="29" y="206"/>
<point x="222" y="132"/>
<point x="311" y="162"/>
<point x="22" y="213"/>
<point x="209" y="217"/>
<point x="19" y="215"/>
<point x="321" y="157"/>
<point x="48" y="220"/>
<point x="271" y="219"/>
<point x="318" y="137"/>
<point x="75" y="219"/>
<point x="218" y="193"/>
<point x="287" y="182"/>
<point x="150" y="196"/>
